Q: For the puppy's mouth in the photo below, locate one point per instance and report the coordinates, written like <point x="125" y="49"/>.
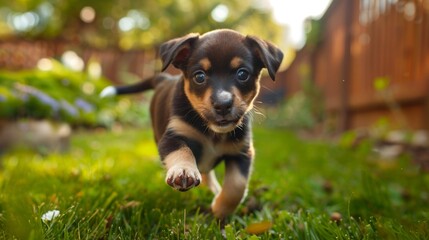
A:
<point x="225" y="122"/>
<point x="224" y="125"/>
<point x="219" y="123"/>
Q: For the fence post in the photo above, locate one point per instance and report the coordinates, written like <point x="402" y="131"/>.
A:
<point x="345" y="95"/>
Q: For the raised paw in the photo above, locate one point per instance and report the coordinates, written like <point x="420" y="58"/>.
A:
<point x="183" y="178"/>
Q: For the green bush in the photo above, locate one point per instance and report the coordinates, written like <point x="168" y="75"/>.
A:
<point x="304" y="110"/>
<point x="60" y="94"/>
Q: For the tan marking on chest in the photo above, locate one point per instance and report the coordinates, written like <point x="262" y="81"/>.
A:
<point x="211" y="151"/>
<point x="182" y="128"/>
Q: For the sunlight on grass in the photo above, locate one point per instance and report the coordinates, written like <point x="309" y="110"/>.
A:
<point x="110" y="185"/>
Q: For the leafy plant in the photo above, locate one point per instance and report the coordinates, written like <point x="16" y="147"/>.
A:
<point x="383" y="88"/>
<point x="60" y="94"/>
<point x="304" y="109"/>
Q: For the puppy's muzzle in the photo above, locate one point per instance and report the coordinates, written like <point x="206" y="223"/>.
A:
<point x="224" y="116"/>
<point x="222" y="103"/>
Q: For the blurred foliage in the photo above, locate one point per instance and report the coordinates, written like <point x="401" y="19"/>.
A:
<point x="383" y="88"/>
<point x="314" y="31"/>
<point x="305" y="109"/>
<point x="131" y="24"/>
<point x="381" y="84"/>
<point x="62" y="94"/>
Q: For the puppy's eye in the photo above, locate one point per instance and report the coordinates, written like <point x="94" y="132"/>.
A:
<point x="243" y="75"/>
<point x="199" y="77"/>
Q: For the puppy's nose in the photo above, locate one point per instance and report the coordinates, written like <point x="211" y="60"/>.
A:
<point x="222" y="102"/>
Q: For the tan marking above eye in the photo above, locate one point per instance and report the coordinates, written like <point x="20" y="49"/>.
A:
<point x="236" y="62"/>
<point x="205" y="64"/>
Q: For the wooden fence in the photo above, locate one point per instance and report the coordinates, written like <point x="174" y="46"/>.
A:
<point x="368" y="41"/>
<point x="18" y="54"/>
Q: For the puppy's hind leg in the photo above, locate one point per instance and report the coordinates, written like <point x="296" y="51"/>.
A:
<point x="234" y="187"/>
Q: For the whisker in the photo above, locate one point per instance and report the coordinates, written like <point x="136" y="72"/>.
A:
<point x="258" y="111"/>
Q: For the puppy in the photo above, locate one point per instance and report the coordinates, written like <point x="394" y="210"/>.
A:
<point x="202" y="117"/>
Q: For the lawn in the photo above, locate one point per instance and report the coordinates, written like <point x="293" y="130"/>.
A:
<point x="110" y="185"/>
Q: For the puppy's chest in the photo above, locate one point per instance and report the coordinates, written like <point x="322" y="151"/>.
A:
<point x="212" y="153"/>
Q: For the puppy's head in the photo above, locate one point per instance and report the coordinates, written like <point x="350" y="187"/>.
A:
<point x="221" y="73"/>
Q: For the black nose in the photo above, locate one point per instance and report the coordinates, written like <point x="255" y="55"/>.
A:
<point x="222" y="102"/>
<point x="223" y="108"/>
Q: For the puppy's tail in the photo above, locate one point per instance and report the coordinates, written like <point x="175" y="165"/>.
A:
<point x="142" y="86"/>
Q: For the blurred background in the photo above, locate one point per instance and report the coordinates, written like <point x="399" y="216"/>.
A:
<point x="342" y="138"/>
<point x="348" y="64"/>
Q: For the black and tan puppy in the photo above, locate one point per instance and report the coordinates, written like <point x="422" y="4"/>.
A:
<point x="202" y="117"/>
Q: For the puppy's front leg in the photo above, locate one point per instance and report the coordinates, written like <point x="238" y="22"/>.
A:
<point x="182" y="171"/>
<point x="237" y="170"/>
<point x="179" y="160"/>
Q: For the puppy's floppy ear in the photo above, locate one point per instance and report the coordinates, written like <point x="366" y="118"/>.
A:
<point x="270" y="55"/>
<point x="177" y="51"/>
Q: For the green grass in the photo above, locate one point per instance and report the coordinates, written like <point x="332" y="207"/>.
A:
<point x="111" y="186"/>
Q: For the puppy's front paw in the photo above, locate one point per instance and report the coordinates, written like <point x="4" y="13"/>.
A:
<point x="183" y="178"/>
